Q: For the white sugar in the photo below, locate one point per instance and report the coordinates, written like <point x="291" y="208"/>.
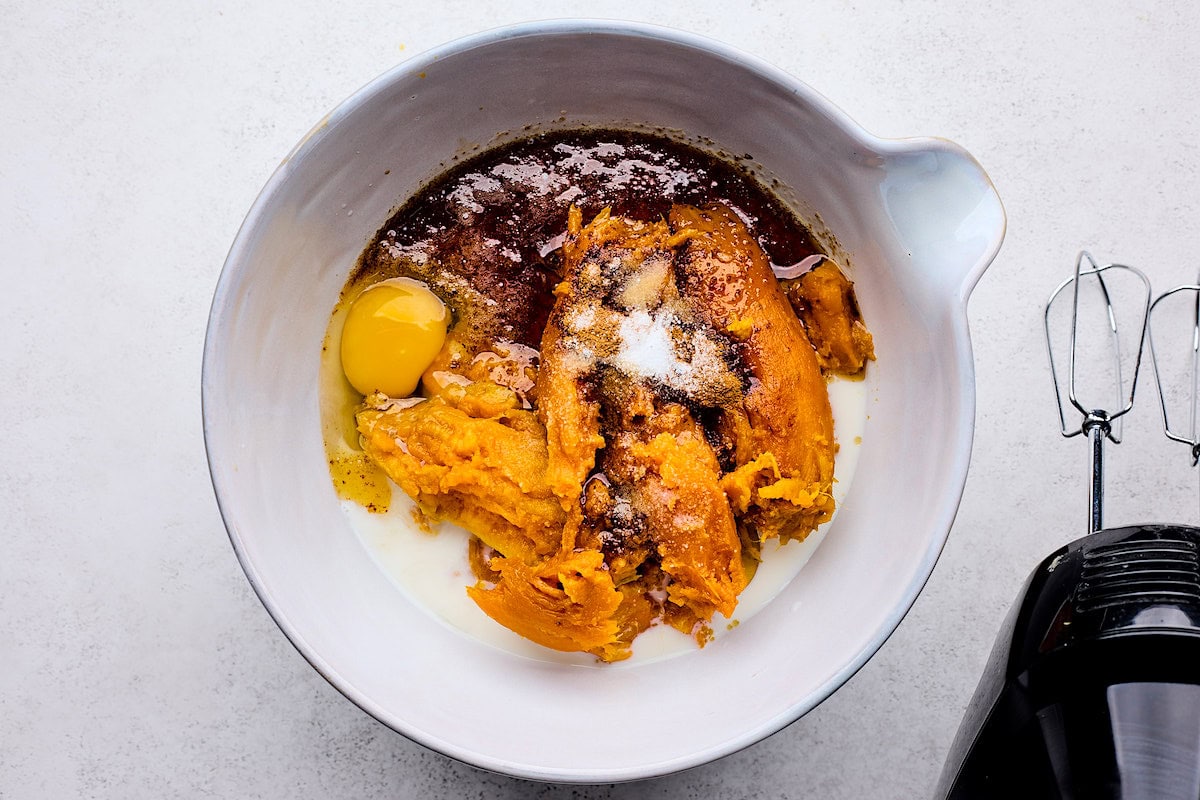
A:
<point x="646" y="349"/>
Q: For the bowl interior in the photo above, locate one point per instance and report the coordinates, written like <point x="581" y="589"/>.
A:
<point x="916" y="222"/>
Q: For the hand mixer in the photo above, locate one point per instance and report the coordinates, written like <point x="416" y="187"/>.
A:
<point x="1093" y="687"/>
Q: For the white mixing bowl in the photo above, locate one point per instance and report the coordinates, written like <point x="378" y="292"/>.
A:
<point x="916" y="221"/>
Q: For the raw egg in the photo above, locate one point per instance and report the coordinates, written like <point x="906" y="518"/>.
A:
<point x="393" y="331"/>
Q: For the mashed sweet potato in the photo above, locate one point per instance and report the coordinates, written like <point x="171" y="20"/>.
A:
<point x="676" y="418"/>
<point x="623" y="402"/>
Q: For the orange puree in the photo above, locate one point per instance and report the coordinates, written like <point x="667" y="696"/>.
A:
<point x="681" y="420"/>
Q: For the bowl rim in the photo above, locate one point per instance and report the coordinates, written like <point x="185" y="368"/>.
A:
<point x="962" y="356"/>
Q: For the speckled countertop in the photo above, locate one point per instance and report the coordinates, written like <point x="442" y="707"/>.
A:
<point x="135" y="660"/>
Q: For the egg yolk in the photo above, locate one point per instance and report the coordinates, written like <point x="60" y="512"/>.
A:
<point x="393" y="331"/>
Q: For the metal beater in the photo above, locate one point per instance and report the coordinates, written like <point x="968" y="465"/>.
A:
<point x="1190" y="297"/>
<point x="1097" y="423"/>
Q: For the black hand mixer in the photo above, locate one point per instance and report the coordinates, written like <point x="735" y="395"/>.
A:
<point x="1093" y="687"/>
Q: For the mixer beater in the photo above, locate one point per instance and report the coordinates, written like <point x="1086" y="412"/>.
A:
<point x="1096" y="422"/>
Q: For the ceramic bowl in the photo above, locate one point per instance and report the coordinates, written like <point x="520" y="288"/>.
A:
<point x="916" y="222"/>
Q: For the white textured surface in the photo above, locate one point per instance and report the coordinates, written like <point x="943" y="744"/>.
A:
<point x="134" y="659"/>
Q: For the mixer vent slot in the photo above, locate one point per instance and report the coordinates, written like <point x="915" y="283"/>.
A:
<point x="1139" y="572"/>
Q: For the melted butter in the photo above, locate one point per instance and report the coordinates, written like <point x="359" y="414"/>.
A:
<point x="354" y="477"/>
<point x="358" y="480"/>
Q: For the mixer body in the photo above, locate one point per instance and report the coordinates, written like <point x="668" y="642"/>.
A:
<point x="1093" y="687"/>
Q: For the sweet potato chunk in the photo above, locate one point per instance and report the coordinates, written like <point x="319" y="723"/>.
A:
<point x="472" y="457"/>
<point x="673" y="478"/>
<point x="783" y="432"/>
<point x="824" y="300"/>
<point x="566" y="603"/>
